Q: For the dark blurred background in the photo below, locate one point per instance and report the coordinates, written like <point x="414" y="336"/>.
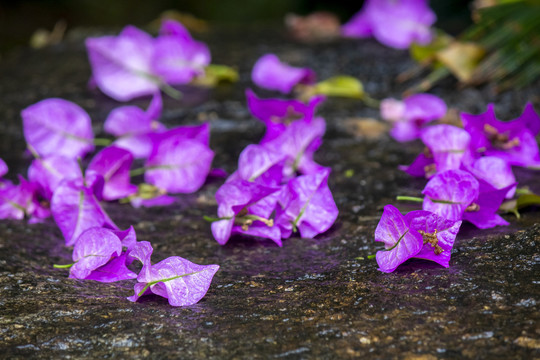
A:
<point x="19" y="19"/>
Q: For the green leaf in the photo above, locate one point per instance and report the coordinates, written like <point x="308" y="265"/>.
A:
<point x="341" y="86"/>
<point x="528" y="200"/>
<point x="215" y="74"/>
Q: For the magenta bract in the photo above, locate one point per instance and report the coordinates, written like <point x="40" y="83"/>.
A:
<point x="309" y="206"/>
<point x="449" y="146"/>
<point x="177" y="56"/>
<point x="180" y="161"/>
<point x="277" y="114"/>
<point x="449" y="193"/>
<point x="401" y="243"/>
<point x="483" y="214"/>
<point x="438" y="234"/>
<point x="48" y="172"/>
<point x="113" y="164"/>
<point x="98" y="256"/>
<point x="270" y="73"/>
<point x="512" y="141"/>
<point x="393" y="23"/>
<point x="58" y="127"/>
<point x="121" y="65"/>
<point x="257" y="163"/>
<point x="16" y="201"/>
<point x="235" y="198"/>
<point x="409" y="116"/>
<point x="75" y="209"/>
<point x="298" y="143"/>
<point x="179" y="280"/>
<point x="495" y="171"/>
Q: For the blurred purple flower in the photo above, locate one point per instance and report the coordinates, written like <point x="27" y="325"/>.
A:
<point x="438" y="235"/>
<point x="135" y="127"/>
<point x="122" y="65"/>
<point x="410" y="115"/>
<point x="270" y="73"/>
<point x="448" y="145"/>
<point x="395" y="23"/>
<point x="449" y="194"/>
<point x="180" y="281"/>
<point x="48" y="172"/>
<point x="16" y="201"/>
<point x="180" y="160"/>
<point x="421" y="166"/>
<point x="401" y="242"/>
<point x="278" y="114"/>
<point x="177" y="56"/>
<point x="512" y="141"/>
<point x="58" y="127"/>
<point x="114" y="163"/>
<point x="308" y="206"/>
<point x="495" y="171"/>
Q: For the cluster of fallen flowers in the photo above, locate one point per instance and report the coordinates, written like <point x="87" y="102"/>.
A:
<point x="278" y="188"/>
<point x="59" y="134"/>
<point x="469" y="171"/>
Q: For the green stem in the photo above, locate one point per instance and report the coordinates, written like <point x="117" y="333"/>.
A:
<point x="33" y="151"/>
<point x="164" y="280"/>
<point x="213" y="219"/>
<point x="371" y="102"/>
<point x="371" y="256"/>
<point x="66" y="266"/>
<point x="102" y="142"/>
<point x="409" y="198"/>
<point x="137" y="172"/>
<point x="169" y="90"/>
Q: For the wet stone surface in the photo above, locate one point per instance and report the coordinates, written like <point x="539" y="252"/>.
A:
<point x="309" y="299"/>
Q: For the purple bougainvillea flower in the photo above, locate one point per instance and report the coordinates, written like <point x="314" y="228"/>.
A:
<point x="113" y="163"/>
<point x="277" y="114"/>
<point x="495" y="171"/>
<point x="511" y="141"/>
<point x="298" y="143"/>
<point x="161" y="200"/>
<point x="270" y="73"/>
<point x="98" y="256"/>
<point x="180" y="281"/>
<point x="395" y="23"/>
<point x="450" y="193"/>
<point x="17" y="200"/>
<point x="48" y="172"/>
<point x="75" y="208"/>
<point x="483" y="212"/>
<point x="438" y="235"/>
<point x="134" y="127"/>
<point x="180" y="160"/>
<point x="58" y="127"/>
<point x="449" y="146"/>
<point x="3" y="168"/>
<point x="421" y="166"/>
<point x="122" y="65"/>
<point x="410" y="115"/>
<point x="401" y="243"/>
<point x="260" y="164"/>
<point x="235" y="200"/>
<point x="309" y="206"/>
<point x="177" y="58"/>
